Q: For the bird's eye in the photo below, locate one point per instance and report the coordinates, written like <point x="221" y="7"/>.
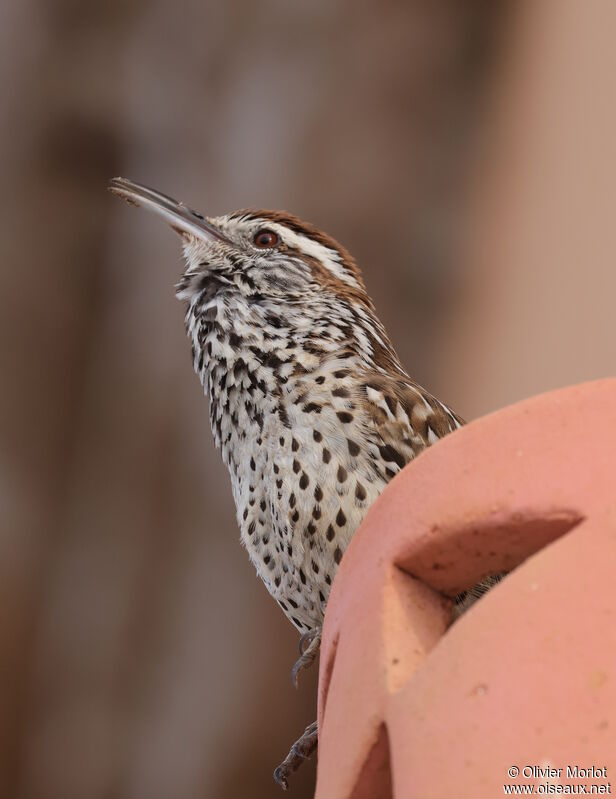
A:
<point x="265" y="239"/>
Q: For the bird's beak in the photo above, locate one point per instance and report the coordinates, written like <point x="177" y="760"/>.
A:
<point x="181" y="218"/>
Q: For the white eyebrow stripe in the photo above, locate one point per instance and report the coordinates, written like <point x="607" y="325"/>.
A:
<point x="329" y="258"/>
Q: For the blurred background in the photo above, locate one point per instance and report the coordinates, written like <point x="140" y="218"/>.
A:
<point x="464" y="152"/>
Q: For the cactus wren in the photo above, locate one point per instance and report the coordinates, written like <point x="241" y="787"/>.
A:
<point x="309" y="403"/>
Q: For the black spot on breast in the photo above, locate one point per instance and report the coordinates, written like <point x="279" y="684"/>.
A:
<point x="283" y="416"/>
<point x="342" y="475"/>
<point x="344" y="416"/>
<point x="315" y="567"/>
<point x="276" y="468"/>
<point x="313" y="348"/>
<point x="360" y="492"/>
<point x="295" y="516"/>
<point x="292" y="500"/>
<point x="296" y="466"/>
<point x="294" y="445"/>
<point x="273" y="320"/>
<point x="338" y="555"/>
<point x="326" y="455"/>
<point x="312" y="407"/>
<point x="292" y="602"/>
<point x="302" y="576"/>
<point x="318" y="493"/>
<point x="253" y="465"/>
<point x="353" y="447"/>
<point x="311" y="529"/>
<point x="341" y="392"/>
<point x="330" y="533"/>
<point x="317" y="436"/>
<point x="340" y="373"/>
<point x="320" y="379"/>
<point x="316" y="512"/>
<point x="304" y="480"/>
<point x="251" y="528"/>
<point x="340" y="518"/>
<point x="272" y="360"/>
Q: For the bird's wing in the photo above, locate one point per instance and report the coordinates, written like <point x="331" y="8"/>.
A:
<point x="404" y="419"/>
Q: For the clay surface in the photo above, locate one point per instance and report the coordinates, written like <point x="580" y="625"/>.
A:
<point x="411" y="707"/>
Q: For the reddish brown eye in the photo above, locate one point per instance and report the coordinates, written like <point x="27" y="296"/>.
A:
<point x="265" y="239"/>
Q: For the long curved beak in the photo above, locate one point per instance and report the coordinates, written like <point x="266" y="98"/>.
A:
<point x="181" y="218"/>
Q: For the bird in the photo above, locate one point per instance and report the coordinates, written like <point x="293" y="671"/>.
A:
<point x="309" y="403"/>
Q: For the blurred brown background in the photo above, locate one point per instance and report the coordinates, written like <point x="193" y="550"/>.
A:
<point x="462" y="151"/>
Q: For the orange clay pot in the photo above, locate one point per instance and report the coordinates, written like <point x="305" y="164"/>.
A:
<point x="412" y="707"/>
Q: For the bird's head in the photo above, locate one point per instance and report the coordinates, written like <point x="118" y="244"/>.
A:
<point x="269" y="256"/>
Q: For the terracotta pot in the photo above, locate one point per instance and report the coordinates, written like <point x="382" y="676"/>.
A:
<point x="412" y="706"/>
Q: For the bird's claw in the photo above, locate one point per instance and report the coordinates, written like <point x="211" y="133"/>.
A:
<point x="301" y="750"/>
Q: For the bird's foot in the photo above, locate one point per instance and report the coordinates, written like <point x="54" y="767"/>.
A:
<point x="309" y="645"/>
<point x="301" y="750"/>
